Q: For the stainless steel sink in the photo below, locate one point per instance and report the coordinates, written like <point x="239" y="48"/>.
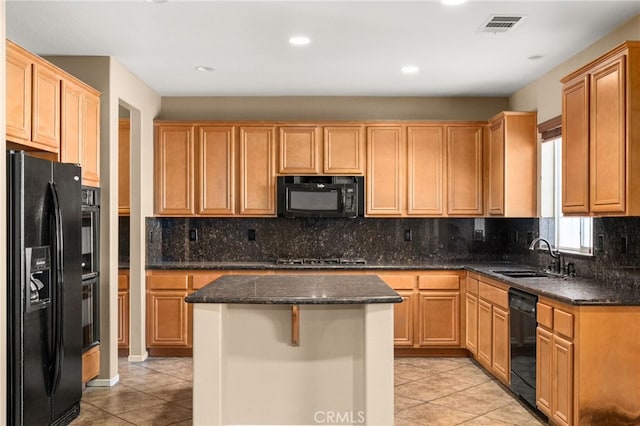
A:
<point x="523" y="274"/>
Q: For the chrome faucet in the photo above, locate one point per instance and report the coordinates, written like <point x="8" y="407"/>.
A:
<point x="552" y="253"/>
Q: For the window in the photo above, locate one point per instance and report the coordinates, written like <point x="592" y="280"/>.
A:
<point x="569" y="234"/>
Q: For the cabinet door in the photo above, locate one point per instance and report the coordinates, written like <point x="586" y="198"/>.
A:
<point x="299" y="149"/>
<point x="386" y="171"/>
<point x="18" y="74"/>
<point x="167" y="319"/>
<point x="174" y="170"/>
<point x="257" y="177"/>
<point x="439" y="318"/>
<point x="464" y="168"/>
<point x="426" y="170"/>
<point x="403" y="319"/>
<point x="343" y="150"/>
<point x="485" y="331"/>
<point x="496" y="167"/>
<point x="91" y="140"/>
<point x="72" y="116"/>
<point x="608" y="138"/>
<point x="216" y="155"/>
<point x="45" y="108"/>
<point x="123" y="311"/>
<point x="562" y="374"/>
<point x="575" y="147"/>
<point x="471" y="318"/>
<point x="500" y="362"/>
<point x="124" y="166"/>
<point x="544" y="380"/>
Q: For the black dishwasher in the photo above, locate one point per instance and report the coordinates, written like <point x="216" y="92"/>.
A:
<point x="522" y="313"/>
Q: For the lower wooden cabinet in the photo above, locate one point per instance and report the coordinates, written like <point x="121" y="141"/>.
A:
<point x="168" y="315"/>
<point x="491" y="337"/>
<point x="555" y="363"/>
<point x="123" y="312"/>
<point x="471" y="315"/>
<point x="91" y="364"/>
<point x="429" y="316"/>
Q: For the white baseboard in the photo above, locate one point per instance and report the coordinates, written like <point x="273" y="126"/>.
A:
<point x="104" y="383"/>
<point x="138" y="358"/>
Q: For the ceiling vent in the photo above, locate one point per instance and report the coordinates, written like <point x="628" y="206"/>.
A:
<point x="501" y="23"/>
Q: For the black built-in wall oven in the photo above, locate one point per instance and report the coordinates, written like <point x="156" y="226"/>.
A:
<point x="90" y="267"/>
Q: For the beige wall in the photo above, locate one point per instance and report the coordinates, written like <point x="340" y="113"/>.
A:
<point x="545" y="94"/>
<point x="330" y="108"/>
<point x="117" y="86"/>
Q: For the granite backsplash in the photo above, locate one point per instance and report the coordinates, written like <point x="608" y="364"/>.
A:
<point x="616" y="258"/>
<point x="379" y="241"/>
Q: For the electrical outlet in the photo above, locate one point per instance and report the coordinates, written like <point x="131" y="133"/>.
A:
<point x="193" y="235"/>
<point x="478" y="234"/>
<point x="623" y="245"/>
<point x="251" y="234"/>
<point x="529" y="238"/>
<point x="408" y="235"/>
<point x="600" y="244"/>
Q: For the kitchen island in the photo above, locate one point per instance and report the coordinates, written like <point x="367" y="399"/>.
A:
<point x="293" y="349"/>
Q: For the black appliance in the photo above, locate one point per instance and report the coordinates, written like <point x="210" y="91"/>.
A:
<point x="321" y="196"/>
<point x="90" y="267"/>
<point x="44" y="355"/>
<point x="522" y="326"/>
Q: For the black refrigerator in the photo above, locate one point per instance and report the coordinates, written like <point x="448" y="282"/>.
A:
<point x="44" y="291"/>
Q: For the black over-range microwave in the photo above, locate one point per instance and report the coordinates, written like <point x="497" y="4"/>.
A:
<point x="321" y="196"/>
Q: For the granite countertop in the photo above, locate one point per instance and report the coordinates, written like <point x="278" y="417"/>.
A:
<point x="570" y="290"/>
<point x="575" y="291"/>
<point x="296" y="290"/>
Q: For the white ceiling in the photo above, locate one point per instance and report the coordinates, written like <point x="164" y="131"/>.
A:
<point x="357" y="47"/>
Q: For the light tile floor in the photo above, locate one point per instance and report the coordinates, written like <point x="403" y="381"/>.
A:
<point x="428" y="391"/>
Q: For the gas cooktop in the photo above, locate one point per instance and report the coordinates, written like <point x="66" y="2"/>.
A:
<point x="322" y="261"/>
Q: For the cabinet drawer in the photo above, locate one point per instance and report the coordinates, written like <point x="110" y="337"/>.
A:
<point x="168" y="282"/>
<point x="495" y="295"/>
<point x="439" y="282"/>
<point x="563" y="323"/>
<point x="472" y="285"/>
<point x="400" y="282"/>
<point x="123" y="282"/>
<point x="200" y="281"/>
<point x="545" y="315"/>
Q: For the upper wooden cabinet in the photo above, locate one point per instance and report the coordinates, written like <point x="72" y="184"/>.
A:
<point x="33" y="100"/>
<point x="51" y="111"/>
<point x="344" y="151"/>
<point x="216" y="170"/>
<point x="386" y="168"/>
<point x="124" y="166"/>
<point x="174" y="169"/>
<point x="464" y="169"/>
<point x="257" y="178"/>
<point x="211" y="169"/>
<point x="411" y="168"/>
<point x="605" y="94"/>
<point x="426" y="170"/>
<point x="80" y="134"/>
<point x="512" y="161"/>
<point x="313" y="149"/>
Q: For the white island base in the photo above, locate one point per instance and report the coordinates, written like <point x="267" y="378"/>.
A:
<point x="246" y="371"/>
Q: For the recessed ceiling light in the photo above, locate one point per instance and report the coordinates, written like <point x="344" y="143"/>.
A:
<point x="203" y="68"/>
<point x="453" y="2"/>
<point x="409" y="69"/>
<point x="299" y="40"/>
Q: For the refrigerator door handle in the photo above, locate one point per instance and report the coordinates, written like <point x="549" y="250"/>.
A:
<point x="58" y="299"/>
